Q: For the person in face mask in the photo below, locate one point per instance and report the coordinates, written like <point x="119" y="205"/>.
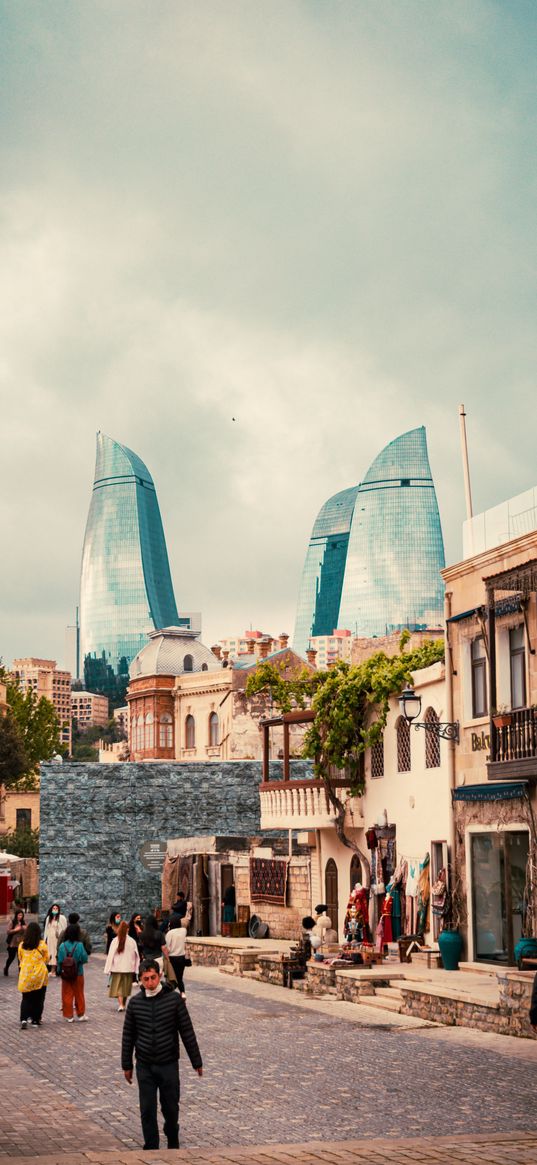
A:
<point x="55" y="924"/>
<point x="112" y="928"/>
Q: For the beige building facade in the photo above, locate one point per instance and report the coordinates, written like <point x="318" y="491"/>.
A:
<point x="89" y="710"/>
<point x="492" y="649"/>
<point x="44" y="678"/>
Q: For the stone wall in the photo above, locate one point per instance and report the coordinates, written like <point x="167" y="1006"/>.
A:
<point x="95" y="818"/>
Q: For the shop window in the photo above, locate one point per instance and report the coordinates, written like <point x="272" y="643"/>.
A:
<point x="517" y="659"/>
<point x="190" y="732"/>
<point x="403" y="745"/>
<point x="213" y="730"/>
<point x="149" y="732"/>
<point x="377" y="758"/>
<point x="24" y="819"/>
<point x="166" y="731"/>
<point x="188" y="663"/>
<point x="479" y="678"/>
<point x="432" y="741"/>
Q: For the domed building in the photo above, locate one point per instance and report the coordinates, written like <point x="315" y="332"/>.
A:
<point x="155" y="678"/>
<point x="187" y="702"/>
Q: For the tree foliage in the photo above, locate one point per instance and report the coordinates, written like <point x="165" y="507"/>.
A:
<point x="22" y="842"/>
<point x="37" y="725"/>
<point x="13" y="758"/>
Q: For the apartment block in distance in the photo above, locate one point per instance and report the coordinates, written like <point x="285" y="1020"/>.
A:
<point x="89" y="710"/>
<point x="45" y="679"/>
<point x="332" y="647"/>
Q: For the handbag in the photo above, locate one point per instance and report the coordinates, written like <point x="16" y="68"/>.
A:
<point x="188" y="962"/>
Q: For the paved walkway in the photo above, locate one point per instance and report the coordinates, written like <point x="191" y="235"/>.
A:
<point x="285" y="1075"/>
<point x="506" y="1149"/>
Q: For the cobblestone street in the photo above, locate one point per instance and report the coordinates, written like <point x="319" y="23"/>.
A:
<point x="277" y="1071"/>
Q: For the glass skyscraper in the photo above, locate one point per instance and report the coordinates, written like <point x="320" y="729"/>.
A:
<point x="322" y="577"/>
<point x="393" y="552"/>
<point x="125" y="588"/>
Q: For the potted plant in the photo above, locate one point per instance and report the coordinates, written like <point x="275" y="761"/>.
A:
<point x="501" y="716"/>
<point x="450" y="939"/>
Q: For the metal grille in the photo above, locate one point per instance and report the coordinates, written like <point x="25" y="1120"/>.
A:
<point x="377" y="758"/>
<point x="432" y="741"/>
<point x="403" y="746"/>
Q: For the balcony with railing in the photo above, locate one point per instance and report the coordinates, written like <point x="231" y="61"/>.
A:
<point x="513" y="746"/>
<point x="290" y="802"/>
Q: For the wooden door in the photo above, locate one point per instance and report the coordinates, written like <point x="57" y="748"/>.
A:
<point x="331" y="892"/>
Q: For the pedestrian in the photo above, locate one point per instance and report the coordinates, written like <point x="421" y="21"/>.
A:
<point x="180" y="905"/>
<point x="55" y="924"/>
<point x="152" y="941"/>
<point x="154" y="1020"/>
<point x="33" y="975"/>
<point x="175" y="942"/>
<point x="112" y="928"/>
<point x="122" y="964"/>
<point x="14" y="935"/>
<point x="136" y="928"/>
<point x="73" y="919"/>
<point x="71" y="958"/>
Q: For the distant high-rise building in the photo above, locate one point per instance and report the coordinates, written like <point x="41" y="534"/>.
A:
<point x="43" y="677"/>
<point x="126" y="589"/>
<point x="379" y="568"/>
<point x="322" y="577"/>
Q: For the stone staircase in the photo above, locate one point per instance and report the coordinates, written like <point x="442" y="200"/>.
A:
<point x="386" y="998"/>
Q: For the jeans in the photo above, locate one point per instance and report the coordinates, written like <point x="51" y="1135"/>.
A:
<point x="162" y="1079"/>
<point x="178" y="964"/>
<point x="11" y="952"/>
<point x="32" y="1004"/>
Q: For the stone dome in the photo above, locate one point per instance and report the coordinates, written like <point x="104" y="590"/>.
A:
<point x="173" y="651"/>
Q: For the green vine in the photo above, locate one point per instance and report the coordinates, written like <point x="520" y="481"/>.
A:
<point x="351" y="704"/>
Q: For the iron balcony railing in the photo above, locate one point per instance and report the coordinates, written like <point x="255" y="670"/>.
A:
<point x="517" y="739"/>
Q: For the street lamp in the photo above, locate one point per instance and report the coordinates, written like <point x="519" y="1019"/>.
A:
<point x="410" y="705"/>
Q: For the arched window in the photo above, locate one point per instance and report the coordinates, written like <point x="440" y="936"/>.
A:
<point x="356" y="871"/>
<point x="140" y="732"/>
<point x="190" y="732"/>
<point x="204" y="667"/>
<point x="432" y="741"/>
<point x="188" y="663"/>
<point x="403" y="745"/>
<point x="149" y="733"/>
<point x="166" y="731"/>
<point x="377" y="758"/>
<point x="213" y="730"/>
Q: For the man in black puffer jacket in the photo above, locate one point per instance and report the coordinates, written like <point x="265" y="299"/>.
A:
<point x="154" y="1020"/>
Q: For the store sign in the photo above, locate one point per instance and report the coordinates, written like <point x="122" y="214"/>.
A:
<point x="480" y="740"/>
<point x="152" y="854"/>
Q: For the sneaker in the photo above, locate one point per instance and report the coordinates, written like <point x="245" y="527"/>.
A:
<point x="83" y="1019"/>
<point x="24" y="1025"/>
<point x="121" y="1009"/>
<point x="35" y="1023"/>
<point x="71" y="1020"/>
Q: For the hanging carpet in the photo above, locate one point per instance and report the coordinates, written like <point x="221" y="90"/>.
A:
<point x="268" y="880"/>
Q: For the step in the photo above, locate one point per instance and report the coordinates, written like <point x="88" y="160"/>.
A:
<point x="382" y="1002"/>
<point x="389" y="993"/>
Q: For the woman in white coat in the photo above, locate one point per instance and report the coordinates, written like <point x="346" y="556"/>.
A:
<point x="55" y="924"/>
<point x="122" y="962"/>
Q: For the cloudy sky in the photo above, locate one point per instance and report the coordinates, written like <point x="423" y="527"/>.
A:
<point x="315" y="217"/>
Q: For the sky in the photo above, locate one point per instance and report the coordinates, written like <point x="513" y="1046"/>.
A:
<point x="255" y="242"/>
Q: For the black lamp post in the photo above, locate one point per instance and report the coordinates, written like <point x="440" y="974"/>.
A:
<point x="410" y="705"/>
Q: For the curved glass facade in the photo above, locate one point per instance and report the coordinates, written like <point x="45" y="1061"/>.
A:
<point x="322" y="577"/>
<point x="396" y="550"/>
<point x="125" y="588"/>
<point x="376" y="551"/>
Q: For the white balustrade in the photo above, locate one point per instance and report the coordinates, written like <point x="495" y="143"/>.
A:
<point x="304" y="807"/>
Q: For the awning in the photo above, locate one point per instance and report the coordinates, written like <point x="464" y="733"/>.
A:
<point x="464" y="615"/>
<point x="495" y="792"/>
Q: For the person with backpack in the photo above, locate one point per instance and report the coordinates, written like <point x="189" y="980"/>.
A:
<point x="33" y="976"/>
<point x="71" y="958"/>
